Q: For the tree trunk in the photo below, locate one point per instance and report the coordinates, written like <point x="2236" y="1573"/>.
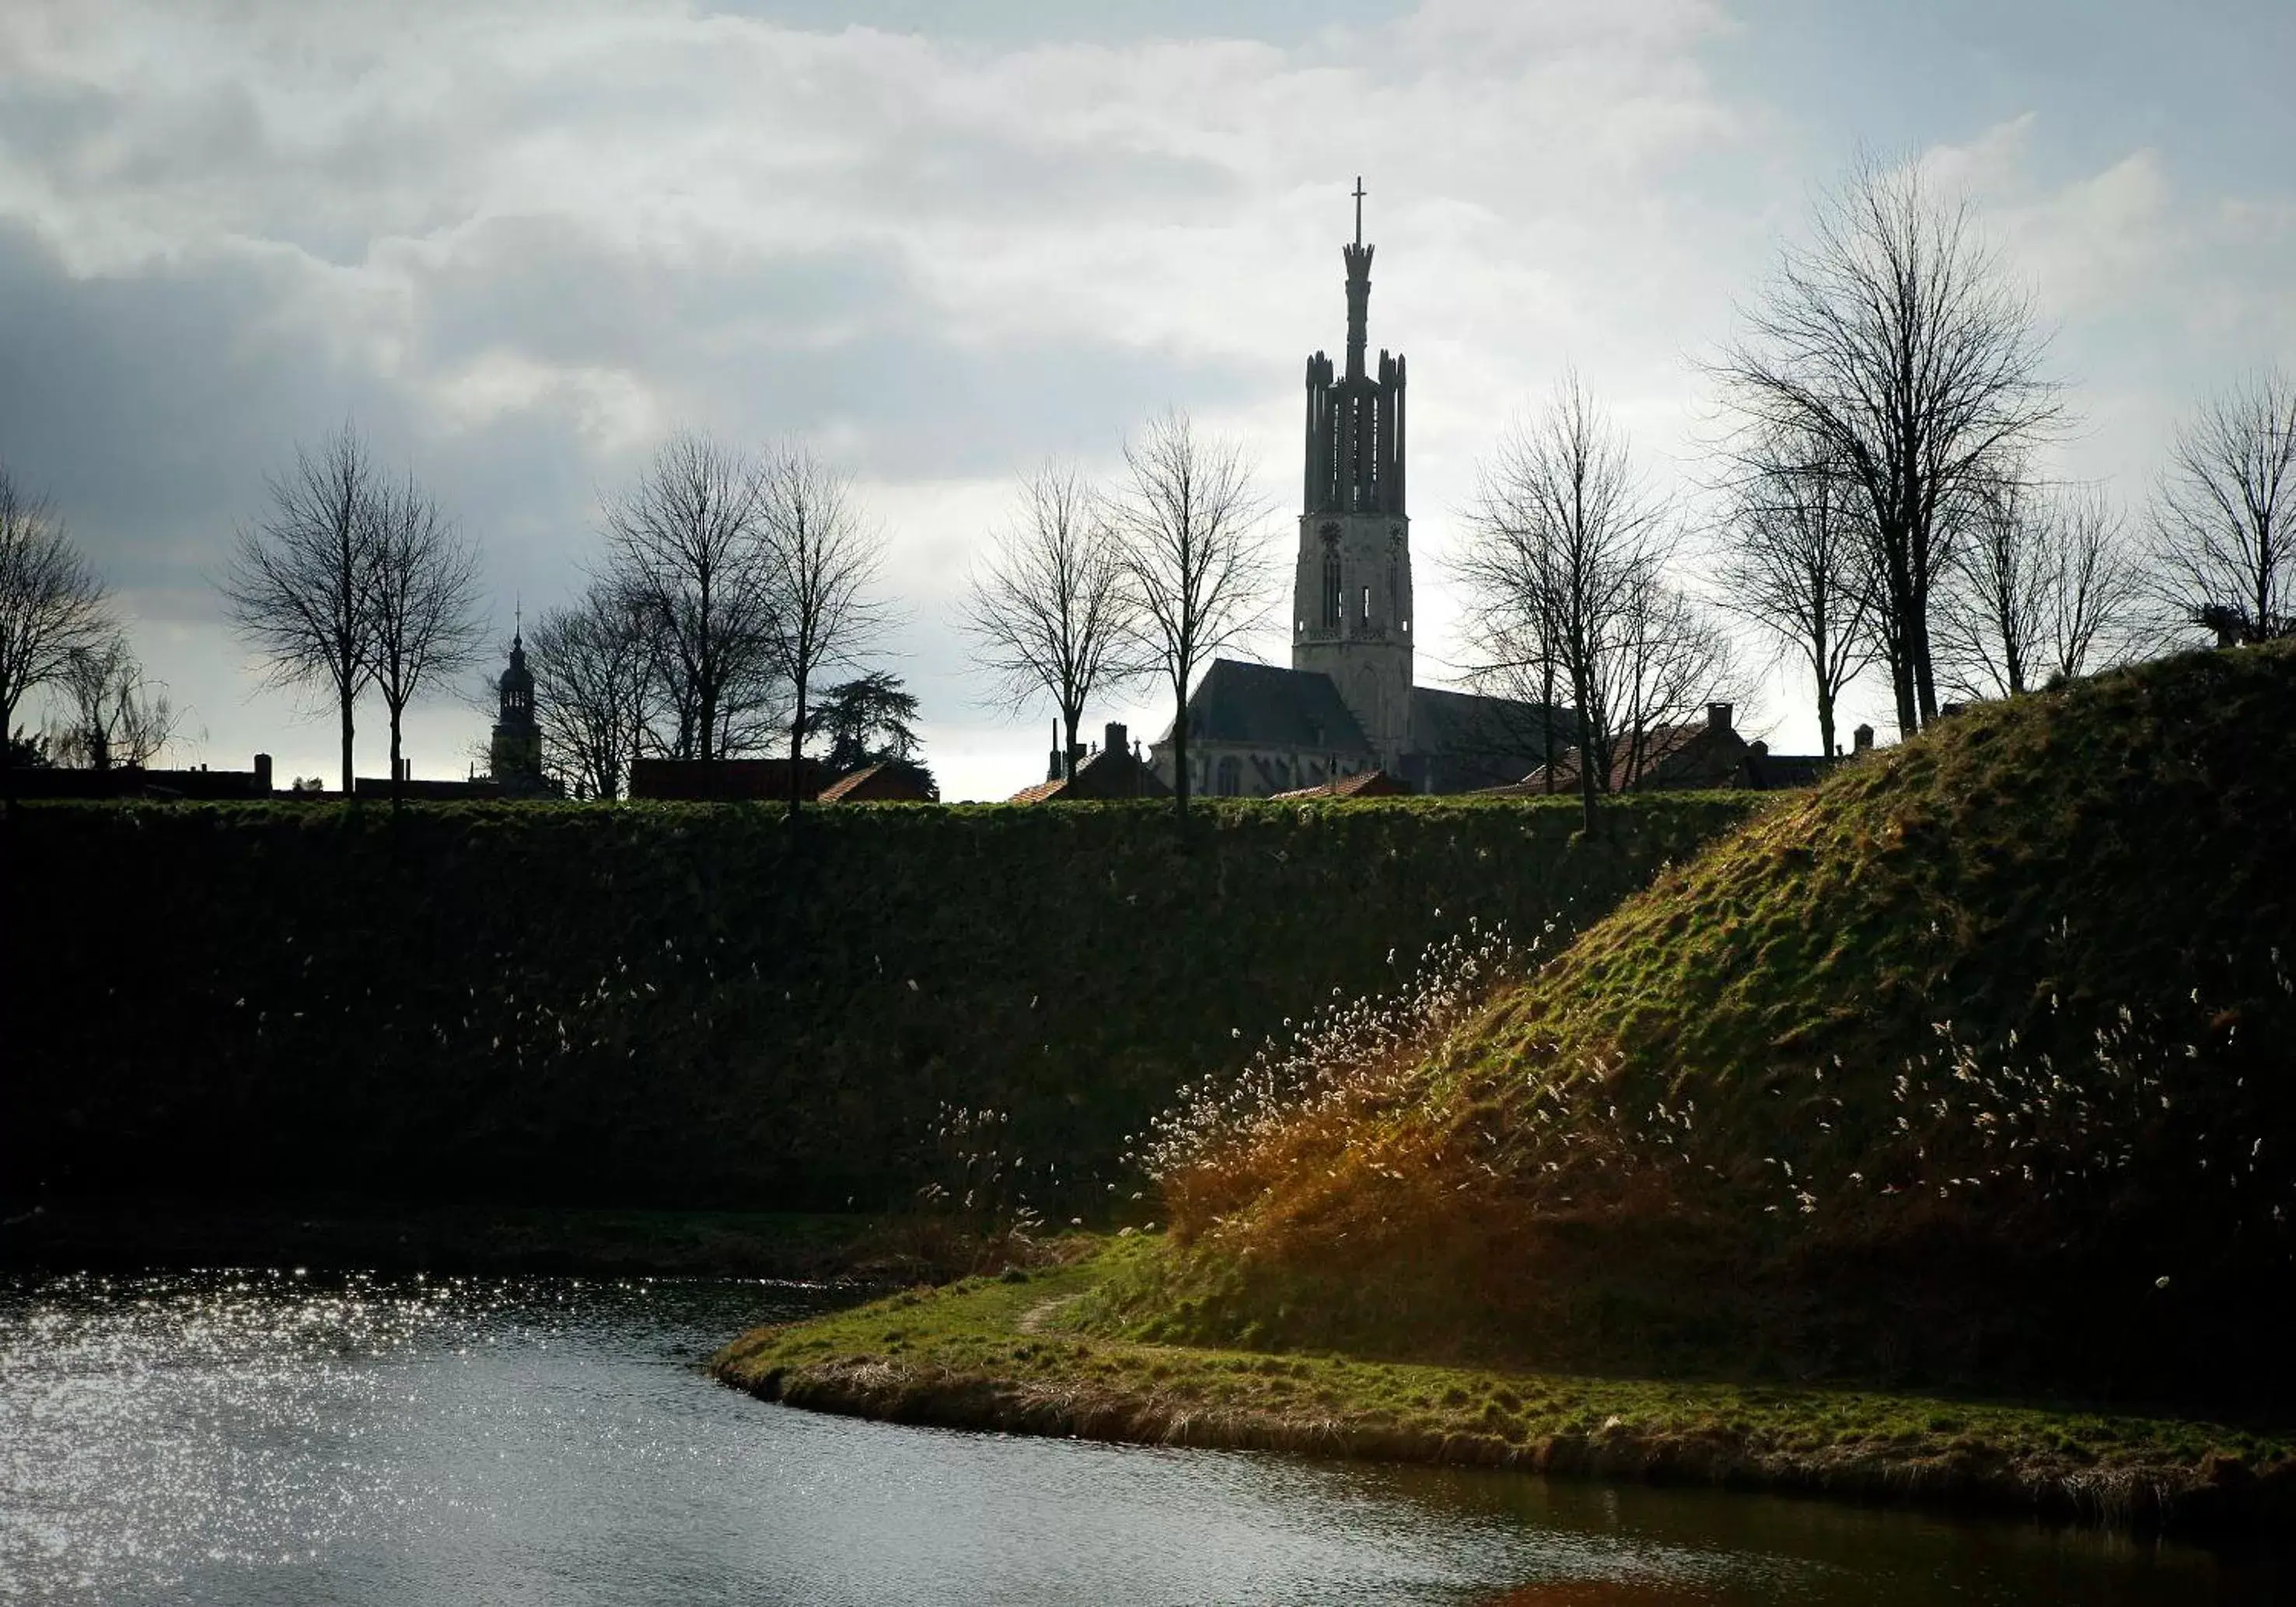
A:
<point x="1547" y="723"/>
<point x="1825" y="717"/>
<point x="1180" y="755"/>
<point x="1924" y="674"/>
<point x="395" y="711"/>
<point x="350" y="784"/>
<point x="1586" y="761"/>
<point x="797" y="754"/>
<point x="1901" y="689"/>
<point x="1070" y="716"/>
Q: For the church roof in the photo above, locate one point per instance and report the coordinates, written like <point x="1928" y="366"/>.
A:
<point x="1472" y="741"/>
<point x="1261" y="706"/>
<point x="1462" y="722"/>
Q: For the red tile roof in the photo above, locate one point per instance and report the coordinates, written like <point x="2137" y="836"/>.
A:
<point x="889" y="782"/>
<point x="1695" y="755"/>
<point x="1362" y="784"/>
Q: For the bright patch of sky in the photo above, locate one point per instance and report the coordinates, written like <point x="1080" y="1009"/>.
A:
<point x="515" y="243"/>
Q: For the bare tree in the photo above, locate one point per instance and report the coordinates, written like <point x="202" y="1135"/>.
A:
<point x="686" y="552"/>
<point x="1505" y="569"/>
<point x="2225" y="514"/>
<point x="1666" y="660"/>
<point x="422" y="589"/>
<point x="297" y="588"/>
<point x="1893" y="340"/>
<point x="1794" y="567"/>
<point x="115" y="717"/>
<point x="822" y="561"/>
<point x="595" y="690"/>
<point x="1187" y="522"/>
<point x="52" y="604"/>
<point x="1048" y="613"/>
<point x="2043" y="589"/>
<point x="1561" y="552"/>
<point x="2095" y="589"/>
<point x="1993" y="611"/>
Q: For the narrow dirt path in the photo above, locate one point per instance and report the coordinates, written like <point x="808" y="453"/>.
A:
<point x="1033" y="1320"/>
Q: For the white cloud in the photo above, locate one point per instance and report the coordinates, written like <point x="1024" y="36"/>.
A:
<point x="517" y="241"/>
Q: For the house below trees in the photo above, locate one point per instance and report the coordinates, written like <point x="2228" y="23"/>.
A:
<point x="1111" y="771"/>
<point x="1709" y="754"/>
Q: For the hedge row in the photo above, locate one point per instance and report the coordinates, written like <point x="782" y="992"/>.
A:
<point x="688" y="1004"/>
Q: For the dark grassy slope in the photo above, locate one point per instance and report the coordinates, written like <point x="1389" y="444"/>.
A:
<point x="676" y="1005"/>
<point x="1974" y="1066"/>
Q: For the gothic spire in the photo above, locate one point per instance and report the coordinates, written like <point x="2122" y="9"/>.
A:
<point x="1358" y="261"/>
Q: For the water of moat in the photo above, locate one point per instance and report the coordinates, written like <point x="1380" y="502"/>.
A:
<point x="273" y="1438"/>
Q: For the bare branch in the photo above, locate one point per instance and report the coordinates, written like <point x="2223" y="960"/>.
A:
<point x="1892" y="340"/>
<point x="52" y="604"/>
<point x="1188" y="526"/>
<point x="686" y="552"/>
<point x="595" y="690"/>
<point x="1564" y="571"/>
<point x="2224" y="517"/>
<point x="422" y="589"/>
<point x="1795" y="565"/>
<point x="2043" y="589"/>
<point x="297" y="588"/>
<point x="1049" y="614"/>
<point x="821" y="561"/>
<point x="116" y="716"/>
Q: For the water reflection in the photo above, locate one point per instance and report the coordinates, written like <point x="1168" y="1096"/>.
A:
<point x="276" y="1438"/>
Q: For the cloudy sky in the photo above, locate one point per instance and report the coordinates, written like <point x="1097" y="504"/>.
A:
<point x="943" y="241"/>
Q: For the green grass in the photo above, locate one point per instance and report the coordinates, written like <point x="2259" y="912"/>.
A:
<point x="1007" y="1353"/>
<point x="1973" y="1065"/>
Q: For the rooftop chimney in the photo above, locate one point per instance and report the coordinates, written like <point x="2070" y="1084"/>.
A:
<point x="1864" y="737"/>
<point x="1113" y="739"/>
<point x="1717" y="716"/>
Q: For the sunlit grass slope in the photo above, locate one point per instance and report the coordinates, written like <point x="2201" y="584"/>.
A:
<point x="1974" y="1065"/>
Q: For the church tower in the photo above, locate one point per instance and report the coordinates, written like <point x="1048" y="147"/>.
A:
<point x="1351" y="593"/>
<point x="515" y="753"/>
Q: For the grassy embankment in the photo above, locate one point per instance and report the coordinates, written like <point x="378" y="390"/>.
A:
<point x="1975" y="1068"/>
<point x="1970" y="1074"/>
<point x="1006" y="1354"/>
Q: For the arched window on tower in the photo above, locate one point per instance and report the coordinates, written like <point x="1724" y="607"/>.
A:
<point x="1331" y="604"/>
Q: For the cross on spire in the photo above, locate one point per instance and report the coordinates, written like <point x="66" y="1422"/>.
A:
<point x="1360" y="198"/>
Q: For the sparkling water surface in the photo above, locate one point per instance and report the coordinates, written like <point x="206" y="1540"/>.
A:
<point x="275" y="1437"/>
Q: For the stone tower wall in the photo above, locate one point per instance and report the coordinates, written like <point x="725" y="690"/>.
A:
<point x="1351" y="612"/>
<point x="1352" y="621"/>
